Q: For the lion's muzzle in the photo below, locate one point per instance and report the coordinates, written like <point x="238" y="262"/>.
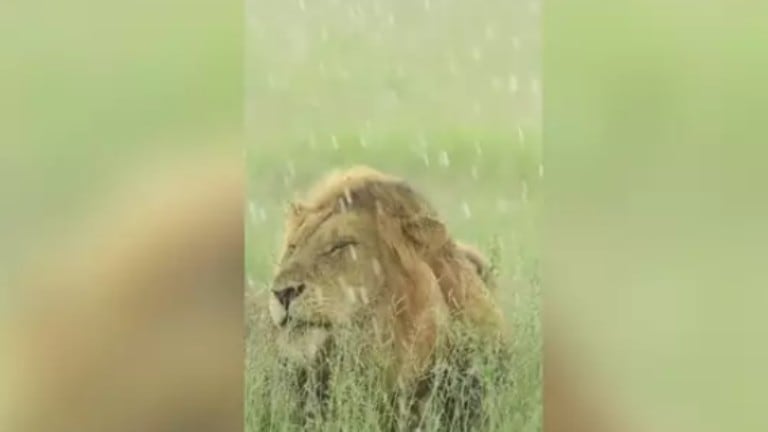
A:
<point x="283" y="295"/>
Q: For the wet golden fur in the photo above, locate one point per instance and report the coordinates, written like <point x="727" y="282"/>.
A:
<point x="396" y="270"/>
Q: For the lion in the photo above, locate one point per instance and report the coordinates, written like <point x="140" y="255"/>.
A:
<point x="366" y="254"/>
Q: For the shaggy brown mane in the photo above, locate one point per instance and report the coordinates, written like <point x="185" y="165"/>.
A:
<point x="411" y="228"/>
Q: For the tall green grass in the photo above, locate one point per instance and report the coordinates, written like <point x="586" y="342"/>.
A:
<point x="485" y="187"/>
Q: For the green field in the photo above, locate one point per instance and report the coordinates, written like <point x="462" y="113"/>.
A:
<point x="485" y="189"/>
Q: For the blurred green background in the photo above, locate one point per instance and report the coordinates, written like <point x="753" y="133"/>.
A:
<point x="654" y="131"/>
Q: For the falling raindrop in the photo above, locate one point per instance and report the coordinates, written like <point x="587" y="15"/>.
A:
<point x="334" y="142"/>
<point x="427" y="5"/>
<point x="444" y="160"/>
<point x="312" y="142"/>
<point x="425" y="158"/>
<point x="502" y="205"/>
<point x="541" y="170"/>
<point x="342" y="204"/>
<point x="524" y="192"/>
<point x="478" y="148"/>
<point x="465" y="208"/>
<point x="376" y="267"/>
<point x="262" y="214"/>
<point x="251" y="283"/>
<point x="348" y="196"/>
<point x="535" y="87"/>
<point x="520" y="134"/>
<point x="353" y="253"/>
<point x="363" y="142"/>
<point x="512" y="84"/>
<point x="475" y="172"/>
<point x="324" y="34"/>
<point x="490" y="32"/>
<point x="516" y="43"/>
<point x="252" y="210"/>
<point x="533" y="7"/>
<point x="476" y="53"/>
<point x="291" y="169"/>
<point x="302" y="5"/>
<point x="391" y="19"/>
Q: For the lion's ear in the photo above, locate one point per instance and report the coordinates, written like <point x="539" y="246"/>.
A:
<point x="427" y="233"/>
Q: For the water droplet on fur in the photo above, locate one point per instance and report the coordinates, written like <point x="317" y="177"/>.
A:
<point x="444" y="160"/>
<point x="349" y="292"/>
<point x="467" y="211"/>
<point x="376" y="329"/>
<point x="342" y="204"/>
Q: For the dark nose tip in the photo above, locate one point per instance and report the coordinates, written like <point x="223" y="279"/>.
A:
<point x="286" y="294"/>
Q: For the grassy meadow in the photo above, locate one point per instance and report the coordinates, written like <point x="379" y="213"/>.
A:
<point x="485" y="189"/>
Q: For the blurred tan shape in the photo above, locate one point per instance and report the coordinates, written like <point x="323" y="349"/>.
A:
<point x="135" y="322"/>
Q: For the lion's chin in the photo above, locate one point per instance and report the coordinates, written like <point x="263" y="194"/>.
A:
<point x="303" y="345"/>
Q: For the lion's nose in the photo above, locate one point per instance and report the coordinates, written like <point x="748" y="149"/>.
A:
<point x="286" y="294"/>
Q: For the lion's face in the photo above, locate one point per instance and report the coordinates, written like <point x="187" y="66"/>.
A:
<point x="328" y="279"/>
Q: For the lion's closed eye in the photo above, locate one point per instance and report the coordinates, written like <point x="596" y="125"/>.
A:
<point x="340" y="245"/>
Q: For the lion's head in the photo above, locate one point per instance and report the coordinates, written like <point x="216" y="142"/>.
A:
<point x="365" y="251"/>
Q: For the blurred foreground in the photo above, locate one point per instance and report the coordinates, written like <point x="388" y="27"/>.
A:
<point x="134" y="321"/>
